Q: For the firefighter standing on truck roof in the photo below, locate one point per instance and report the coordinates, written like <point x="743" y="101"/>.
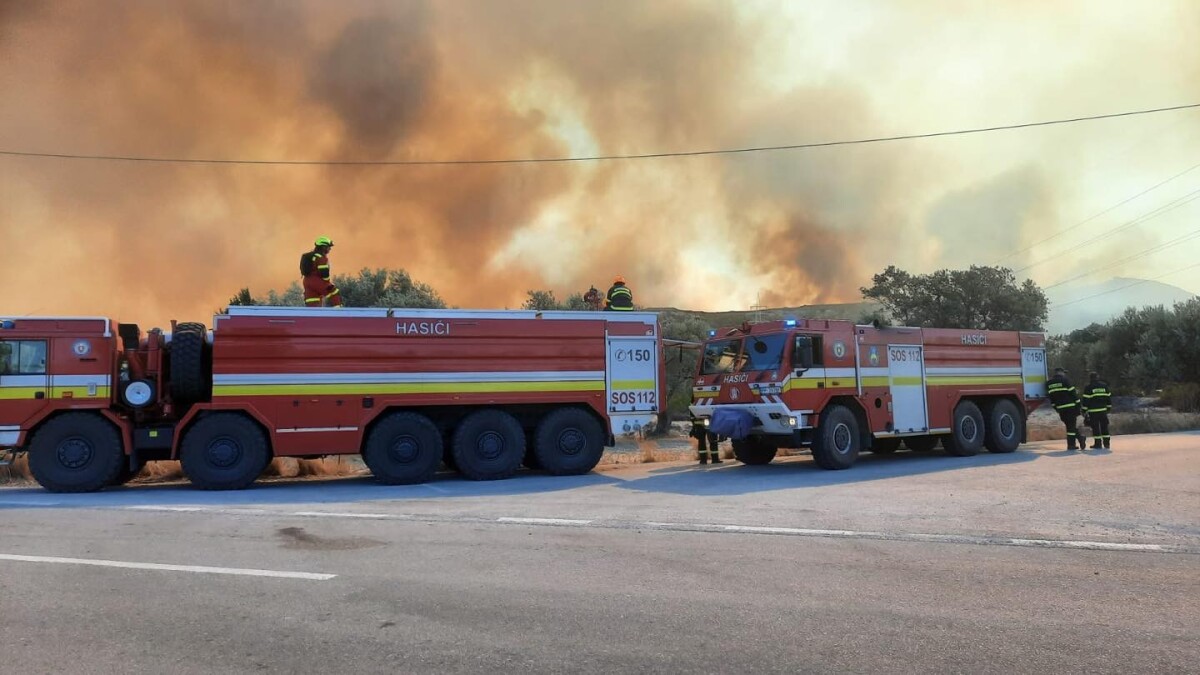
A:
<point x="1097" y="402"/>
<point x="593" y="300"/>
<point x="620" y="298"/>
<point x="1066" y="402"/>
<point x="314" y="265"/>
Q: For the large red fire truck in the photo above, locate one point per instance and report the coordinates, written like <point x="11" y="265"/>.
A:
<point x="840" y="388"/>
<point x="91" y="401"/>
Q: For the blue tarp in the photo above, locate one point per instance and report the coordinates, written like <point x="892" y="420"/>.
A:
<point x="733" y="423"/>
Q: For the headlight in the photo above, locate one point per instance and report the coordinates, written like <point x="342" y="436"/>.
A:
<point x="707" y="421"/>
<point x="793" y="421"/>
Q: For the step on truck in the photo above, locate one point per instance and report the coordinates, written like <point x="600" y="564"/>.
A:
<point x="90" y="400"/>
<point x="841" y="389"/>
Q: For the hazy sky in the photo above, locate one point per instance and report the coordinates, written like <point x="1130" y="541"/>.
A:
<point x="459" y="79"/>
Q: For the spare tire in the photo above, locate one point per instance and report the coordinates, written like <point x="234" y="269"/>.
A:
<point x="189" y="363"/>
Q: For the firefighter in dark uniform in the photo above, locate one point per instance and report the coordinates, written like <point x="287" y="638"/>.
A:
<point x="619" y="298"/>
<point x="1065" y="400"/>
<point x="706" y="442"/>
<point x="1097" y="402"/>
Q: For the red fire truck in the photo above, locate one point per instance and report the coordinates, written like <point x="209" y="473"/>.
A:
<point x="91" y="401"/>
<point x="840" y="388"/>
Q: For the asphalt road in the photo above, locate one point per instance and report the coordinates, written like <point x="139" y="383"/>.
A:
<point x="1032" y="562"/>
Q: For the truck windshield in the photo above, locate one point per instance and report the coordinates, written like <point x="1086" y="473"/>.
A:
<point x="764" y="352"/>
<point x="721" y="357"/>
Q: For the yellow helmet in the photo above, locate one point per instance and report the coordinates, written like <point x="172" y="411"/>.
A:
<point x="323" y="241"/>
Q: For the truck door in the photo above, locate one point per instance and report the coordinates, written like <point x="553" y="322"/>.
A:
<point x="1033" y="372"/>
<point x="631" y="382"/>
<point x="24" y="384"/>
<point x="906" y="378"/>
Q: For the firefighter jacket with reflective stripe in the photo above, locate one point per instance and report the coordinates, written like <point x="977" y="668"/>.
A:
<point x="620" y="298"/>
<point x="1062" y="393"/>
<point x="1096" y="397"/>
<point x="320" y="265"/>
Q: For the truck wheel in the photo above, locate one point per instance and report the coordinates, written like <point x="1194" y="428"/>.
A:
<point x="76" y="452"/>
<point x="885" y="446"/>
<point x="837" y="441"/>
<point x="1004" y="427"/>
<point x="225" y="451"/>
<point x="966" y="438"/>
<point x="403" y="448"/>
<point x="189" y="369"/>
<point x="920" y="443"/>
<point x="489" y="445"/>
<point x="753" y="450"/>
<point x="569" y="442"/>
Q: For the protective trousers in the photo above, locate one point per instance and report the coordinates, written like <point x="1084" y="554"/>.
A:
<point x="707" y="447"/>
<point x="1070" y="418"/>
<point x="318" y="290"/>
<point x="1100" y="429"/>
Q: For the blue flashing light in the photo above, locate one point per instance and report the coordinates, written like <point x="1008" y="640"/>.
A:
<point x="712" y="333"/>
<point x="8" y="325"/>
<point x="790" y="323"/>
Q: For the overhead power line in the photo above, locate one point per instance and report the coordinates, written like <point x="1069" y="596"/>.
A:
<point x="1145" y="217"/>
<point x="1094" y="216"/>
<point x="1121" y="288"/>
<point x="590" y="158"/>
<point x="1141" y="254"/>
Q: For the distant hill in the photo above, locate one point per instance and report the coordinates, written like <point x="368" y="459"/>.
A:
<point x="1102" y="301"/>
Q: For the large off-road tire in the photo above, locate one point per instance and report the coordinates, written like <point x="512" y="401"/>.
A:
<point x="489" y="445"/>
<point x="403" y="448"/>
<point x="1005" y="427"/>
<point x="885" y="446"/>
<point x="837" y="441"/>
<point x="224" y="451"/>
<point x="190" y="379"/>
<point x="569" y="442"/>
<point x="967" y="431"/>
<point x="753" y="450"/>
<point x="76" y="452"/>
<point x="921" y="443"/>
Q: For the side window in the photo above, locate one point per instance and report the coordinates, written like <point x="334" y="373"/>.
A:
<point x="23" y="357"/>
<point x="818" y="351"/>
<point x="33" y="357"/>
<point x="9" y="356"/>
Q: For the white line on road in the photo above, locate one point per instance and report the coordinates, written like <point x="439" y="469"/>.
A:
<point x="310" y="576"/>
<point x="544" y="521"/>
<point x="924" y="537"/>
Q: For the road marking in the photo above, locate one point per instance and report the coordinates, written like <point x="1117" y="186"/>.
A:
<point x="924" y="537"/>
<point x="200" y="569"/>
<point x="544" y="521"/>
<point x="347" y="514"/>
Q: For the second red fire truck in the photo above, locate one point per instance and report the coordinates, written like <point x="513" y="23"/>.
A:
<point x="840" y="389"/>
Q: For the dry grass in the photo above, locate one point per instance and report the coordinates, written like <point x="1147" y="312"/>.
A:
<point x="1049" y="428"/>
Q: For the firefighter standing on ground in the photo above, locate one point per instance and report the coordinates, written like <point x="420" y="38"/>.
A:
<point x="706" y="443"/>
<point x="1065" y="400"/>
<point x="314" y="265"/>
<point x="1097" y="402"/>
<point x="620" y="298"/>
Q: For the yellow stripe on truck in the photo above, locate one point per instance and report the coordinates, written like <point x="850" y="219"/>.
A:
<point x="960" y="380"/>
<point x="632" y="384"/>
<point x="402" y="388"/>
<point x="19" y="393"/>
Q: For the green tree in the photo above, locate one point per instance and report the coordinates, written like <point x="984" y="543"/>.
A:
<point x="368" y="288"/>
<point x="243" y="298"/>
<point x="545" y="301"/>
<point x="984" y="298"/>
<point x="680" y="362"/>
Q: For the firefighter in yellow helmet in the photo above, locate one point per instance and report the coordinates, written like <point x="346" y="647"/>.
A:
<point x="619" y="298"/>
<point x="314" y="266"/>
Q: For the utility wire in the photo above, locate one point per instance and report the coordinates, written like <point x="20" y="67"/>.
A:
<point x="1121" y="288"/>
<point x="1145" y="217"/>
<point x="591" y="158"/>
<point x="1089" y="219"/>
<point x="1154" y="249"/>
